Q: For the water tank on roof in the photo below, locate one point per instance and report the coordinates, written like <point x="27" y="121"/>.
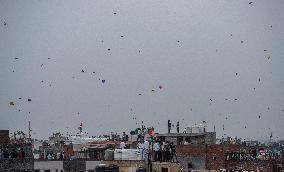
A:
<point x="196" y="129"/>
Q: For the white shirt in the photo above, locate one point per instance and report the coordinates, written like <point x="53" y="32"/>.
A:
<point x="146" y="145"/>
<point x="122" y="145"/>
<point x="49" y="156"/>
<point x="157" y="146"/>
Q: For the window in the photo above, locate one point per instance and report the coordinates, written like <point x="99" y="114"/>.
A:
<point x="215" y="158"/>
<point x="36" y="170"/>
<point x="189" y="165"/>
<point x="46" y="170"/>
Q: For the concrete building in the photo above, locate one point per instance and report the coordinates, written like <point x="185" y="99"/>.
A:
<point x="132" y="166"/>
<point x="91" y="165"/>
<point x="189" y="138"/>
<point x="74" y="166"/>
<point x="195" y="134"/>
<point x="29" y="165"/>
<point x="48" y="166"/>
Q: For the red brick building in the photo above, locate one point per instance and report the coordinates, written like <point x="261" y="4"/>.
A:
<point x="4" y="137"/>
<point x="218" y="156"/>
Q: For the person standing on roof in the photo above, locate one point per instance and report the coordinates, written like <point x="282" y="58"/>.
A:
<point x="157" y="151"/>
<point x="140" y="147"/>
<point x="145" y="149"/>
<point x="122" y="145"/>
<point x="167" y="150"/>
<point x="173" y="152"/>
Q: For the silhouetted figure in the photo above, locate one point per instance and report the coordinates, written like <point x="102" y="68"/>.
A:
<point x="13" y="154"/>
<point x="1" y="154"/>
<point x="167" y="151"/>
<point x="173" y="152"/>
<point x="5" y="154"/>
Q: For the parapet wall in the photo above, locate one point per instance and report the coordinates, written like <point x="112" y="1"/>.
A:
<point x="17" y="165"/>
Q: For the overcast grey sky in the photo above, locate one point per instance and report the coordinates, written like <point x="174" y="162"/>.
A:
<point x="217" y="60"/>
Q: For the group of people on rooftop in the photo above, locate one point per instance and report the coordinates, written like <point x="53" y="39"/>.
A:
<point x="12" y="154"/>
<point x="160" y="151"/>
<point x="51" y="156"/>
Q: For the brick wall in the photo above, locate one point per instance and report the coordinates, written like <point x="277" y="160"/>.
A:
<point x="195" y="155"/>
<point x="210" y="138"/>
<point x="4" y="137"/>
<point x="214" y="156"/>
<point x="26" y="164"/>
<point x="74" y="165"/>
<point x="196" y="162"/>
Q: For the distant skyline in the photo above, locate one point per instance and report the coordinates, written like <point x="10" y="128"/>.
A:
<point x="112" y="64"/>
